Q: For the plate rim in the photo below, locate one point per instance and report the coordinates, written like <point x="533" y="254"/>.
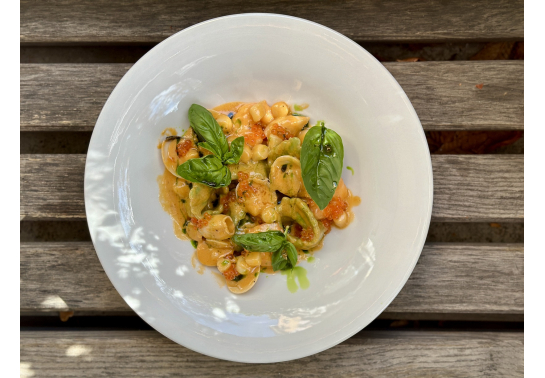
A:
<point x="333" y="341"/>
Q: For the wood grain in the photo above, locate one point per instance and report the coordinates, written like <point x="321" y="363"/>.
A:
<point x="484" y="187"/>
<point x="478" y="281"/>
<point x="70" y="96"/>
<point x="52" y="187"/>
<point x="467" y="188"/>
<point x="151" y="21"/>
<point x="445" y="97"/>
<point x="371" y="354"/>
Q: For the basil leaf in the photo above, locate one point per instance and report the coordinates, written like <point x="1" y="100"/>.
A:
<point x="268" y="241"/>
<point x="291" y="252"/>
<point x="206" y="127"/>
<point x="322" y="157"/>
<point x="207" y="146"/>
<point x="207" y="170"/>
<point x="233" y="156"/>
<point x="278" y="262"/>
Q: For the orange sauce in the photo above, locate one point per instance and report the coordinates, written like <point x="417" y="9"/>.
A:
<point x="171" y="203"/>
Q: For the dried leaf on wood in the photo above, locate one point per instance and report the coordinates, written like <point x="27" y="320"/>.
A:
<point x="411" y="60"/>
<point x="494" y="51"/>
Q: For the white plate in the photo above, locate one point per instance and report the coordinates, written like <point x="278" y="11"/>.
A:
<point x="251" y="57"/>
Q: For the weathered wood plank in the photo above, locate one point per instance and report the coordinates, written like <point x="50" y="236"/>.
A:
<point x="467" y="188"/>
<point x="71" y="96"/>
<point x="445" y="97"/>
<point x="371" y="354"/>
<point x="473" y="281"/>
<point x="485" y="187"/>
<point x="52" y="187"/>
<point x="151" y="21"/>
<point x="461" y="278"/>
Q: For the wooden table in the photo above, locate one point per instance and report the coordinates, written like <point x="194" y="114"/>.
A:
<point x="478" y="282"/>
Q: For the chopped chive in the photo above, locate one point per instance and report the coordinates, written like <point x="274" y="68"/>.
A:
<point x="194" y="243"/>
<point x="350" y="169"/>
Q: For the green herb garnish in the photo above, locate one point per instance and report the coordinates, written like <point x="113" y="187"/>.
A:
<point x="284" y="253"/>
<point x="233" y="156"/>
<point x="322" y="157"/>
<point x="194" y="243"/>
<point x="238" y="278"/>
<point x="350" y="169"/>
<point x="212" y="169"/>
<point x="269" y="241"/>
<point x="207" y="170"/>
<point x="208" y="130"/>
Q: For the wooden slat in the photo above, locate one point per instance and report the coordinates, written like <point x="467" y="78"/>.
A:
<point x="450" y="281"/>
<point x="151" y="21"/>
<point x="52" y="187"/>
<point x="445" y="97"/>
<point x="71" y="96"/>
<point x="370" y="354"/>
<point x="467" y="188"/>
<point x="478" y="187"/>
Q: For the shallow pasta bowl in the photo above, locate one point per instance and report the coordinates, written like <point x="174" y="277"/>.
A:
<point x="251" y="57"/>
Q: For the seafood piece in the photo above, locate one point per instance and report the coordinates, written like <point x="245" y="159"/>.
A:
<point x="256" y="195"/>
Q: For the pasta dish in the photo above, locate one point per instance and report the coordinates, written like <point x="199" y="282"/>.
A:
<point x="254" y="187"/>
